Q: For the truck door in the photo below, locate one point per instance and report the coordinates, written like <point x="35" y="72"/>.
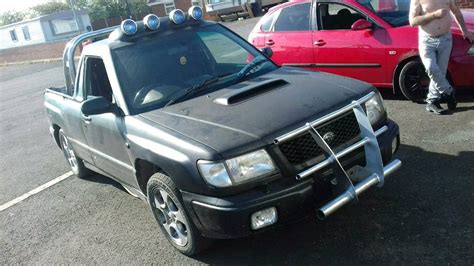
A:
<point x="72" y="114"/>
<point x="104" y="132"/>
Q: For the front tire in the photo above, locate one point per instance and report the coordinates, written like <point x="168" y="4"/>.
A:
<point x="165" y="202"/>
<point x="413" y="81"/>
<point x="76" y="163"/>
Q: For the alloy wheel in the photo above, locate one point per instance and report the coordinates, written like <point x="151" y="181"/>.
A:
<point x="69" y="154"/>
<point x="170" y="217"/>
<point x="415" y="82"/>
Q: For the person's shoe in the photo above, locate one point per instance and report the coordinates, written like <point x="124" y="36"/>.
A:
<point x="435" y="107"/>
<point x="451" y="100"/>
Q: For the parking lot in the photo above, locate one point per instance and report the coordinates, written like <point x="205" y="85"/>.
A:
<point x="423" y="214"/>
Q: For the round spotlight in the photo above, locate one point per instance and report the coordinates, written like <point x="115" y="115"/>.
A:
<point x="151" y="21"/>
<point x="128" y="27"/>
<point x="195" y="12"/>
<point x="177" y="16"/>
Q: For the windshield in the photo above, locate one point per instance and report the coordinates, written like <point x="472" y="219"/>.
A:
<point x="174" y="66"/>
<point x="395" y="12"/>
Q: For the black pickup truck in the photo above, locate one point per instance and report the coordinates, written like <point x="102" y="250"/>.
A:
<point x="220" y="141"/>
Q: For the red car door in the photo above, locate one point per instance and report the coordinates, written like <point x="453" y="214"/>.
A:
<point x="359" y="54"/>
<point x="291" y="36"/>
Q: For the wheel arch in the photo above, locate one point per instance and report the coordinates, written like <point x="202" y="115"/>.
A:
<point x="399" y="67"/>
<point x="398" y="70"/>
<point x="56" y="129"/>
<point x="144" y="169"/>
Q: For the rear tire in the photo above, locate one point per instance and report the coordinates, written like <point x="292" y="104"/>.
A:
<point x="413" y="81"/>
<point x="166" y="204"/>
<point x="76" y="163"/>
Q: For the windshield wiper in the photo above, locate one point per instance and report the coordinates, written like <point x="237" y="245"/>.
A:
<point x="194" y="89"/>
<point x="257" y="61"/>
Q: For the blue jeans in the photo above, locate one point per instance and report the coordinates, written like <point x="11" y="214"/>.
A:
<point x="434" y="53"/>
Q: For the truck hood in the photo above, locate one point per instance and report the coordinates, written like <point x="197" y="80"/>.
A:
<point x="298" y="97"/>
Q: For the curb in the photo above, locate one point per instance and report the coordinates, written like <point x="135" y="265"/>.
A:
<point x="41" y="61"/>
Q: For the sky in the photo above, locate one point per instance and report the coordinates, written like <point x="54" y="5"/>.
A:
<point x="18" y="5"/>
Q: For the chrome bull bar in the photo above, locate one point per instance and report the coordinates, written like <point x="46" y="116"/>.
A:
<point x="345" y="188"/>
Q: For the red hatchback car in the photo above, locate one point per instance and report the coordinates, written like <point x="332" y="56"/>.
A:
<point x="370" y="40"/>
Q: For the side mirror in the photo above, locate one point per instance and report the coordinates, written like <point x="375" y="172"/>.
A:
<point x="267" y="51"/>
<point x="361" y="24"/>
<point x="95" y="106"/>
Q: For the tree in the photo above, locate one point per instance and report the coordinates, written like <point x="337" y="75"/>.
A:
<point x="103" y="9"/>
<point x="139" y="7"/>
<point x="49" y="8"/>
<point x="10" y="17"/>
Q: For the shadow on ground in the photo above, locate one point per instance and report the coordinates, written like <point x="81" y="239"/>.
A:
<point x="98" y="178"/>
<point x="423" y="214"/>
<point x="464" y="95"/>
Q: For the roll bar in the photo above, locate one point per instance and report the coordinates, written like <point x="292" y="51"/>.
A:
<point x="68" y="55"/>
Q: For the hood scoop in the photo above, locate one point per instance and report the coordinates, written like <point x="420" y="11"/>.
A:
<point x="249" y="91"/>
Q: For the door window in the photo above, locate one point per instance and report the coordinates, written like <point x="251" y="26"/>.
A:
<point x="337" y="17"/>
<point x="96" y="80"/>
<point x="294" y="18"/>
<point x="267" y="22"/>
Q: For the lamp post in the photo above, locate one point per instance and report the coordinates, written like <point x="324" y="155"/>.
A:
<point x="73" y="4"/>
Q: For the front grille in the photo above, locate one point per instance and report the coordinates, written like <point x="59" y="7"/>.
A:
<point x="304" y="148"/>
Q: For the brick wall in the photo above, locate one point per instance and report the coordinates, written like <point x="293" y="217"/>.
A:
<point x="466" y="3"/>
<point x="33" y="52"/>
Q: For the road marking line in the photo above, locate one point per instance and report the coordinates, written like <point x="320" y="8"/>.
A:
<point x="35" y="191"/>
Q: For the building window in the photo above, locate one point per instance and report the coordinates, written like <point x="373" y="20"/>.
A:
<point x="26" y="33"/>
<point x="13" y="35"/>
<point x="61" y="26"/>
<point x="169" y="7"/>
<point x="196" y="2"/>
<point x="212" y="2"/>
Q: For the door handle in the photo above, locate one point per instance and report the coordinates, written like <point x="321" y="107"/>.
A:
<point x="86" y="119"/>
<point x="319" y="42"/>
<point x="270" y="42"/>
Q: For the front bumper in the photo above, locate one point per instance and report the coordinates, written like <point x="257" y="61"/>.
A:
<point x="229" y="217"/>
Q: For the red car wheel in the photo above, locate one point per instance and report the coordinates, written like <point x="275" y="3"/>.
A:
<point x="413" y="81"/>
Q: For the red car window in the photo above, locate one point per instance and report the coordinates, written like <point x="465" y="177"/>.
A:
<point x="294" y="18"/>
<point x="267" y="22"/>
<point x="337" y="16"/>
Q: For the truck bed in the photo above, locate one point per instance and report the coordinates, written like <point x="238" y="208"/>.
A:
<point x="58" y="90"/>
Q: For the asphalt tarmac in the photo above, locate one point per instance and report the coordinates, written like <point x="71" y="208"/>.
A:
<point x="423" y="214"/>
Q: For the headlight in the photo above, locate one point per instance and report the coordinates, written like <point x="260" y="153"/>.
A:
<point x="239" y="169"/>
<point x="249" y="166"/>
<point x="195" y="12"/>
<point x="375" y="108"/>
<point x="151" y="21"/>
<point x="471" y="50"/>
<point x="214" y="173"/>
<point x="177" y="16"/>
<point x="129" y="27"/>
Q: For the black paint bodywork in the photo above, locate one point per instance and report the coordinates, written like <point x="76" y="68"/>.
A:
<point x="175" y="137"/>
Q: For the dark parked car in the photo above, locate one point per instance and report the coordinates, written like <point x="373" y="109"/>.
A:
<point x="220" y="141"/>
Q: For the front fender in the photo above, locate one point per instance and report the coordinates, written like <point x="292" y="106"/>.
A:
<point x="172" y="152"/>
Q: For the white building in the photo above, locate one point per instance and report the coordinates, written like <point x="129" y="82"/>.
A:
<point x="53" y="27"/>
